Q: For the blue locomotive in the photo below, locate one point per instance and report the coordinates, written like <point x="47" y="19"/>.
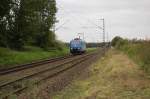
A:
<point x="77" y="46"/>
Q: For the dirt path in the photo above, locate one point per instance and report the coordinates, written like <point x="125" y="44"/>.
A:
<point x="113" y="77"/>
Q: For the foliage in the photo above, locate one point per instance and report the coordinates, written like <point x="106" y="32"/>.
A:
<point x="138" y="50"/>
<point x="5" y="6"/>
<point x="116" y="40"/>
<point x="121" y="43"/>
<point x="27" y="22"/>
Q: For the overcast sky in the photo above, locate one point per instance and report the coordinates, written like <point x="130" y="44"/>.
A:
<point x="125" y="18"/>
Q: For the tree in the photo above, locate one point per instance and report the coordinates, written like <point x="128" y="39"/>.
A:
<point x="20" y="32"/>
<point x="34" y="22"/>
<point x="47" y="11"/>
<point x="5" y="6"/>
<point x="27" y="22"/>
<point x="116" y="40"/>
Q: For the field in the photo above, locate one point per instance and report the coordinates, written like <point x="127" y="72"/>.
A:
<point x="115" y="76"/>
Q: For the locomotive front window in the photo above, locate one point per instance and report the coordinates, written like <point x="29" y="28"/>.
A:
<point x="75" y="43"/>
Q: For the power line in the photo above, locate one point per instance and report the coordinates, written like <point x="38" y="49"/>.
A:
<point x="103" y="30"/>
<point x="71" y="15"/>
<point x="88" y="20"/>
<point x="61" y="25"/>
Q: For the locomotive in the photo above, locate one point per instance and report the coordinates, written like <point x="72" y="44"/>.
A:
<point x="77" y="46"/>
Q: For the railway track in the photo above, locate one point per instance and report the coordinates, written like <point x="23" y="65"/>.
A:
<point x="31" y="65"/>
<point x="18" y="85"/>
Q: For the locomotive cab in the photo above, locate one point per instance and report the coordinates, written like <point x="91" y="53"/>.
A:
<point x="77" y="46"/>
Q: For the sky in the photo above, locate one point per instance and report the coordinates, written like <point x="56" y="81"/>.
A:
<point x="125" y="18"/>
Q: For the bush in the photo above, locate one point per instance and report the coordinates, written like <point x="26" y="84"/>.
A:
<point x="145" y="56"/>
<point x="121" y="43"/>
<point x="139" y="51"/>
<point x="116" y="40"/>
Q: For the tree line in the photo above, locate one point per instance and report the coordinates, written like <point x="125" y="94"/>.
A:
<point x="27" y="22"/>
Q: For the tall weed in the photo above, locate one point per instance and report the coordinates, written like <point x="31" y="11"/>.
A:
<point x="138" y="51"/>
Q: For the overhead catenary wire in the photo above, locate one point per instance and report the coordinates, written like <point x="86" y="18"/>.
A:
<point x="74" y="17"/>
<point x="77" y="19"/>
<point x="61" y="25"/>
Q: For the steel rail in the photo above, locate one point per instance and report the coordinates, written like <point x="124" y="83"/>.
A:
<point x="31" y="65"/>
<point x="83" y="58"/>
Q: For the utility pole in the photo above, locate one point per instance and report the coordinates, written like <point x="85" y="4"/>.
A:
<point x="82" y="35"/>
<point x="104" y="46"/>
<point x="103" y="30"/>
<point x="107" y="37"/>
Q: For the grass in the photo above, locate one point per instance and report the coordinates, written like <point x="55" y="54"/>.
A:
<point x="140" y="53"/>
<point x="113" y="77"/>
<point x="9" y="57"/>
<point x="91" y="49"/>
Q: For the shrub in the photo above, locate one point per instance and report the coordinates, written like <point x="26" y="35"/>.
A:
<point x="145" y="56"/>
<point x="116" y="40"/>
<point x="121" y="43"/>
<point x="139" y="51"/>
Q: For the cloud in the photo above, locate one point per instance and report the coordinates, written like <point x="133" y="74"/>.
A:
<point x="127" y="18"/>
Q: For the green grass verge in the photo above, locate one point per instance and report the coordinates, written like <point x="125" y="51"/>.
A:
<point x="91" y="49"/>
<point x="9" y="57"/>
